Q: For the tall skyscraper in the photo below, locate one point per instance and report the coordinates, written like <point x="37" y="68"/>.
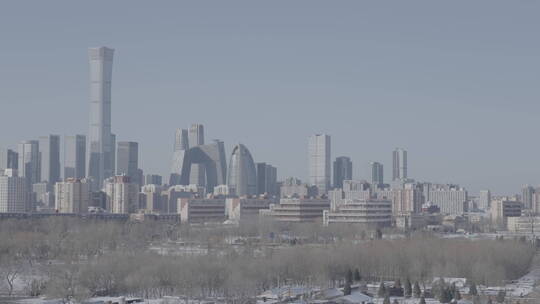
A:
<point x="242" y="179"/>
<point x="100" y="147"/>
<point x="181" y="140"/>
<point x="29" y="164"/>
<point x="75" y="156"/>
<point x="13" y="192"/>
<point x="377" y="174"/>
<point x="127" y="162"/>
<point x="342" y="171"/>
<point x="399" y="168"/>
<point x="196" y="138"/>
<point x="319" y="162"/>
<point x="49" y="150"/>
<point x="266" y="179"/>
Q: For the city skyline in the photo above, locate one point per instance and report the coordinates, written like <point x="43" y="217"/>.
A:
<point x="179" y="85"/>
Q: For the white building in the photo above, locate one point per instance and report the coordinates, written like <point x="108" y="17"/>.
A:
<point x="13" y="192"/>
<point x="451" y="199"/>
<point x="484" y="200"/>
<point x="319" y="162"/>
<point x="122" y="196"/>
<point x="297" y="210"/>
<point x="72" y="196"/>
<point x="246" y="208"/>
<point x="200" y="210"/>
<point x="368" y="212"/>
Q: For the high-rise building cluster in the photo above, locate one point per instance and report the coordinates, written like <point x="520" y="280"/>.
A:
<point x="99" y="174"/>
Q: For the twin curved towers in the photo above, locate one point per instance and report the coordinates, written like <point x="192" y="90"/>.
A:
<point x="242" y="177"/>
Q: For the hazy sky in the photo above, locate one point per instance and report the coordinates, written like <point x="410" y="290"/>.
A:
<point x="456" y="83"/>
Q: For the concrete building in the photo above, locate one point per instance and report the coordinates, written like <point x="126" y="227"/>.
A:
<point x="152" y="198"/>
<point x="524" y="224"/>
<point x="238" y="209"/>
<point x="199" y="210"/>
<point x="242" y="179"/>
<point x="367" y="212"/>
<point x="451" y="199"/>
<point x="40" y="198"/>
<point x="408" y="199"/>
<point x="503" y="208"/>
<point x="101" y="142"/>
<point x="352" y="190"/>
<point x="72" y="196"/>
<point x="266" y="179"/>
<point x="484" y="200"/>
<point x="75" y="156"/>
<point x="13" y="192"/>
<point x="399" y="169"/>
<point x="297" y="210"/>
<point x="294" y="188"/>
<point x="196" y="138"/>
<point x="127" y="160"/>
<point x="342" y="171"/>
<point x="319" y="149"/>
<point x="29" y="163"/>
<point x="170" y="196"/>
<point x="377" y="174"/>
<point x="122" y="196"/>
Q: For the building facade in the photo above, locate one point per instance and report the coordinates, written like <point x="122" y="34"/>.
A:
<point x="72" y="196"/>
<point x="75" y="156"/>
<point x="266" y="179"/>
<point x="377" y="174"/>
<point x="13" y="192"/>
<point x="367" y="212"/>
<point x="399" y="168"/>
<point x="122" y="196"/>
<point x="343" y="169"/>
<point x="101" y="142"/>
<point x="297" y="210"/>
<point x="127" y="160"/>
<point x="29" y="163"/>
<point x="319" y="153"/>
<point x="242" y="178"/>
<point x="49" y="150"/>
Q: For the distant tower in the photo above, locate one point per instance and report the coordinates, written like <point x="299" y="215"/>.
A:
<point x="266" y="179"/>
<point x="100" y="147"/>
<point x="29" y="164"/>
<point x="127" y="160"/>
<point x="527" y="193"/>
<point x="75" y="156"/>
<point x="242" y="179"/>
<point x="484" y="200"/>
<point x="342" y="171"/>
<point x="181" y="141"/>
<point x="399" y="168"/>
<point x="377" y="174"/>
<point x="196" y="138"/>
<point x="72" y="196"/>
<point x="319" y="162"/>
<point x="13" y="192"/>
<point x="49" y="150"/>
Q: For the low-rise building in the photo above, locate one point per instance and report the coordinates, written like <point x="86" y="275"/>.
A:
<point x="200" y="210"/>
<point x="368" y="212"/>
<point x="297" y="209"/>
<point x="503" y="208"/>
<point x="524" y="224"/>
<point x="246" y="208"/>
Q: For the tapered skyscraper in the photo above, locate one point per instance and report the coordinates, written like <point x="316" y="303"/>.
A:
<point x="100" y="146"/>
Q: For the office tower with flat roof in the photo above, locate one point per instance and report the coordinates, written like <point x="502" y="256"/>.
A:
<point x="319" y="150"/>
<point x="9" y="159"/>
<point x="29" y="163"/>
<point x="377" y="174"/>
<point x="13" y="192"/>
<point x="527" y="193"/>
<point x="100" y="155"/>
<point x="342" y="171"/>
<point x="49" y="150"/>
<point x="242" y="179"/>
<point x="196" y="138"/>
<point x="399" y="168"/>
<point x="75" y="156"/>
<point x="153" y="179"/>
<point x="266" y="179"/>
<point x="127" y="160"/>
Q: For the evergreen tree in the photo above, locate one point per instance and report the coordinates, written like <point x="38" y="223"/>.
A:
<point x="416" y="290"/>
<point x="382" y="290"/>
<point x="386" y="300"/>
<point x="422" y="300"/>
<point x="357" y="276"/>
<point x="395" y="301"/>
<point x="349" y="276"/>
<point x="445" y="294"/>
<point x="408" y="288"/>
<point x="500" y="296"/>
<point x="472" y="290"/>
<point x="347" y="289"/>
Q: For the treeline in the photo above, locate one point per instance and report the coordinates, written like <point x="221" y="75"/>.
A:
<point x="64" y="258"/>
